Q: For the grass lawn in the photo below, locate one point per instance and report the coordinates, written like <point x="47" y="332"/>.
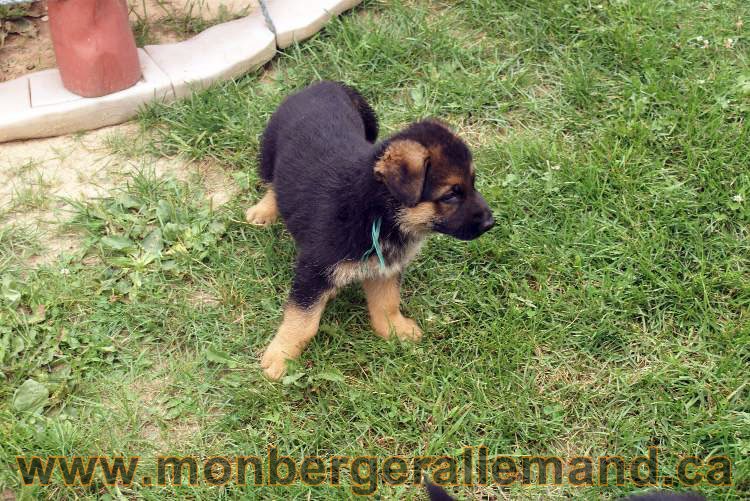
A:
<point x="607" y="312"/>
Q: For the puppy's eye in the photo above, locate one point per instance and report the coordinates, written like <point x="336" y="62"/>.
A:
<point x="452" y="196"/>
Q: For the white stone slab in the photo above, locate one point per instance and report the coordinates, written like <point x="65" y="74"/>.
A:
<point x="47" y="88"/>
<point x="297" y="20"/>
<point x="63" y="117"/>
<point x="221" y="52"/>
<point x="338" y="7"/>
<point x="14" y="96"/>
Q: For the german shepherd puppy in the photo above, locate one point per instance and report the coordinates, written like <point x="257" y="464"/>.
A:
<point x="348" y="200"/>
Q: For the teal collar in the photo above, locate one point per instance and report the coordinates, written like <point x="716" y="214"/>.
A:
<point x="376" y="244"/>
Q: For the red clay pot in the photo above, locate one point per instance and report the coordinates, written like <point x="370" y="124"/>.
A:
<point x="94" y="45"/>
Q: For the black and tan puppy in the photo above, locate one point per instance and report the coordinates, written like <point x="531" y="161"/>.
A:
<point x="345" y="199"/>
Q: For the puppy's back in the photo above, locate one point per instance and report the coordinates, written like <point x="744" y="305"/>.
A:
<point x="326" y="114"/>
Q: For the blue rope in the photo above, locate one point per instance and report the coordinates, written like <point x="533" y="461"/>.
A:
<point x="376" y="244"/>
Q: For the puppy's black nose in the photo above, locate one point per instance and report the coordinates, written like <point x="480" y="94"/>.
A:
<point x="487" y="222"/>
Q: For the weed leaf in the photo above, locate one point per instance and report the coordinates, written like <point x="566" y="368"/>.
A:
<point x="31" y="396"/>
<point x="117" y="242"/>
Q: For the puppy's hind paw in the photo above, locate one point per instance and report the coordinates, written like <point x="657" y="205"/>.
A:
<point x="265" y="211"/>
<point x="261" y="215"/>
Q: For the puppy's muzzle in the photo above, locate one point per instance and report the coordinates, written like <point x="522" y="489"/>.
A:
<point x="482" y="220"/>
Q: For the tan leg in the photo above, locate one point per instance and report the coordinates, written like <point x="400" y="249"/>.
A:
<point x="297" y="328"/>
<point x="265" y="211"/>
<point x="383" y="299"/>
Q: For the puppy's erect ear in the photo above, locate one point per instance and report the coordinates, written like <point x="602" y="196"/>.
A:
<point x="402" y="168"/>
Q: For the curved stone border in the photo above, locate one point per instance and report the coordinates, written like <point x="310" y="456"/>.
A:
<point x="37" y="105"/>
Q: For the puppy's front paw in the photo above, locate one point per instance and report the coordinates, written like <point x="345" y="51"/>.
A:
<point x="261" y="214"/>
<point x="406" y="329"/>
<point x="274" y="360"/>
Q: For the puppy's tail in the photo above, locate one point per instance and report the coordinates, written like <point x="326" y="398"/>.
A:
<point x="369" y="119"/>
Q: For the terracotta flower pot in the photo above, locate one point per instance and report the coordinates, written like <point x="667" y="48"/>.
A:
<point x="94" y="45"/>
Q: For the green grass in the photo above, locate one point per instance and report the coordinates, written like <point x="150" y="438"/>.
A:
<point x="606" y="312"/>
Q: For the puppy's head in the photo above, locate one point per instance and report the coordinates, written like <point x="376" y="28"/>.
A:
<point x="428" y="169"/>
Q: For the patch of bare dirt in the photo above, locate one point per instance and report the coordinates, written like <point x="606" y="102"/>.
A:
<point x="153" y="399"/>
<point x="203" y="299"/>
<point x="219" y="186"/>
<point x="39" y="178"/>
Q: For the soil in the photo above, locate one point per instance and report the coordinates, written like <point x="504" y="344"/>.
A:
<point x="21" y="54"/>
